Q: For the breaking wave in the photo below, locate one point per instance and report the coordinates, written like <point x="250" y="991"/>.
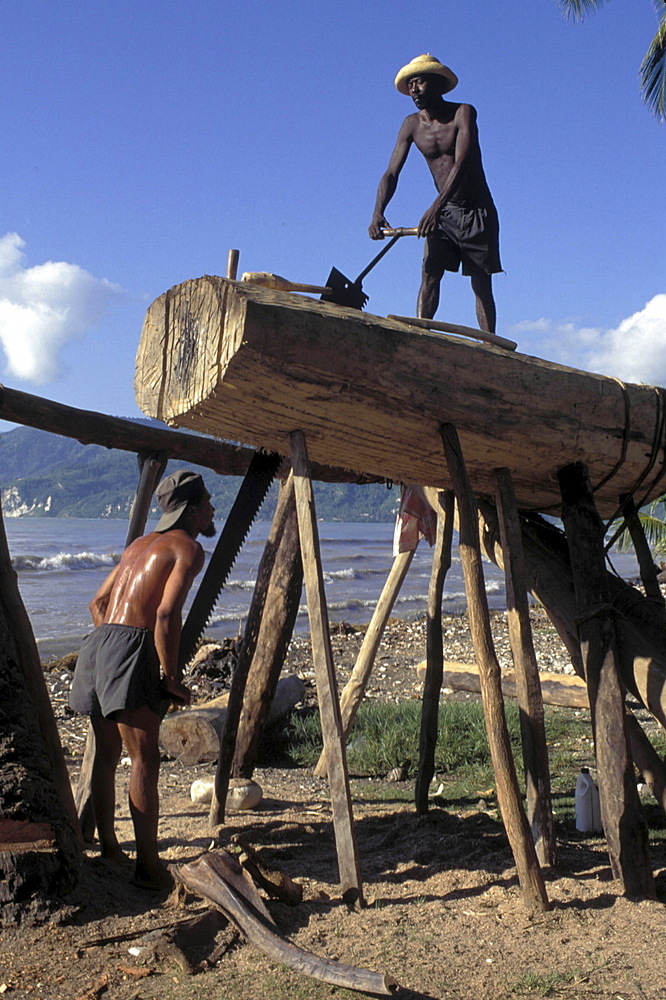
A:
<point x="64" y="561"/>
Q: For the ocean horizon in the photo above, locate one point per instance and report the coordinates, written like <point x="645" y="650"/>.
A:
<point x="61" y="562"/>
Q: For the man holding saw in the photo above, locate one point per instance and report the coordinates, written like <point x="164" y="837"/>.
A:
<point x="461" y="225"/>
<point x="137" y="614"/>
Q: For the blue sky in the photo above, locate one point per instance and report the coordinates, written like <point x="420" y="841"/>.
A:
<point x="142" y="140"/>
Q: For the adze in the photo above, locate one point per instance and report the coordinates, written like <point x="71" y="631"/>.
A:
<point x="344" y="292"/>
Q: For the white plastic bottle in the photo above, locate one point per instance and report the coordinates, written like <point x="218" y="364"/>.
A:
<point x="588" y="812"/>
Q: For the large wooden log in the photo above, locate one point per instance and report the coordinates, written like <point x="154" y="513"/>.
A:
<point x="253" y="364"/>
<point x="193" y="735"/>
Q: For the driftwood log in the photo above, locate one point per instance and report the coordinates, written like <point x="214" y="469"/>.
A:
<point x="252" y="364"/>
<point x="215" y="877"/>
<point x="565" y="690"/>
<point x="193" y="735"/>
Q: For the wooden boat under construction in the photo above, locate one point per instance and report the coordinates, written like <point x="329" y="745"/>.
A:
<point x="252" y="365"/>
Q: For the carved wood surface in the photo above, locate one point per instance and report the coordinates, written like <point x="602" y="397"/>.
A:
<point x="253" y="364"/>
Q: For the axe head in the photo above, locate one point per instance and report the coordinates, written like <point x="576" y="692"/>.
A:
<point x="344" y="292"/>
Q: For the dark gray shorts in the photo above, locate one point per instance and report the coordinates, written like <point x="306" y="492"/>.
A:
<point x="117" y="668"/>
<point x="468" y="235"/>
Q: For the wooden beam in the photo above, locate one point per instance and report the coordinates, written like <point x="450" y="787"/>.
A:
<point x="532" y="728"/>
<point x="354" y="689"/>
<point x="508" y="794"/>
<point x="432" y="686"/>
<point x="91" y="427"/>
<point x="327" y="694"/>
<point x="621" y="814"/>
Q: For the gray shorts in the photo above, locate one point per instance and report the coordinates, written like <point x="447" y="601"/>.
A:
<point x="465" y="234"/>
<point x="117" y="668"/>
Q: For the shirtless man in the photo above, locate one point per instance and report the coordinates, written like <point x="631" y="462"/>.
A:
<point x="461" y="224"/>
<point x="137" y="614"/>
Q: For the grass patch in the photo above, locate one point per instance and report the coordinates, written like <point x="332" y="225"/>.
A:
<point x="387" y="734"/>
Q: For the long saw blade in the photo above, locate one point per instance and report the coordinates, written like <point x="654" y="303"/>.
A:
<point x="252" y="493"/>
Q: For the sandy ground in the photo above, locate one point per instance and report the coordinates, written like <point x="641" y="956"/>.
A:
<point x="444" y="913"/>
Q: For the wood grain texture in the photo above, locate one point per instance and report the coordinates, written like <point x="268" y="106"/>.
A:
<point x="252" y="364"/>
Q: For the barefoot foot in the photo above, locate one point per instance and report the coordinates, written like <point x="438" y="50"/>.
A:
<point x="153" y="876"/>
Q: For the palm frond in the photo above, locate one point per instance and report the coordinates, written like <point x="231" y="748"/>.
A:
<point x="654" y="526"/>
<point x="653" y="68"/>
<point x="577" y="9"/>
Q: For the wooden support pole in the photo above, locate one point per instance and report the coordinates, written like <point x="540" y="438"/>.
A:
<point x="508" y="793"/>
<point x="621" y="814"/>
<point x="327" y="695"/>
<point x="530" y="702"/>
<point x="441" y="563"/>
<point x="278" y="589"/>
<point x="151" y="470"/>
<point x="248" y="649"/>
<point x="151" y="467"/>
<point x="646" y="565"/>
<point x="354" y="689"/>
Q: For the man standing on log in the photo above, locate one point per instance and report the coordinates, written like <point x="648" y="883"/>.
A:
<point x="461" y="225"/>
<point x="137" y="614"/>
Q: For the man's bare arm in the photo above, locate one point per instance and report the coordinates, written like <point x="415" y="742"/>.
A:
<point x="168" y="620"/>
<point x="467" y="144"/>
<point x="100" y="601"/>
<point x="389" y="181"/>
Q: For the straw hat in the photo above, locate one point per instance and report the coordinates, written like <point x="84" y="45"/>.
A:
<point x="422" y="65"/>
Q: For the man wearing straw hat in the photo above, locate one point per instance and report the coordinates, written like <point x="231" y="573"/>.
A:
<point x="461" y="225"/>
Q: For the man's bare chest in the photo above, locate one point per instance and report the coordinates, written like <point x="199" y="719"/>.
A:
<point x="435" y="140"/>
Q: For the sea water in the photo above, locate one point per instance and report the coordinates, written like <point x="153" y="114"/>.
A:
<point x="61" y="562"/>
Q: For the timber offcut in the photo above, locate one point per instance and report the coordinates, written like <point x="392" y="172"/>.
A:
<point x="252" y="365"/>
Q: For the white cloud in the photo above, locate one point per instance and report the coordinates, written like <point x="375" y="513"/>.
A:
<point x="42" y="308"/>
<point x="634" y="351"/>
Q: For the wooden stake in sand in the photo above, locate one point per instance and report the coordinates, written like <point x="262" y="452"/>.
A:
<point x="508" y="793"/>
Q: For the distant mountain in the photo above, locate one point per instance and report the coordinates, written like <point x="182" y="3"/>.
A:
<point x="45" y="475"/>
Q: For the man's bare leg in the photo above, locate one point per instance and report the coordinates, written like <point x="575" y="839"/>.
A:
<point x="108" y="747"/>
<point x="486" y="314"/>
<point x="432" y="273"/>
<point x="139" y="729"/>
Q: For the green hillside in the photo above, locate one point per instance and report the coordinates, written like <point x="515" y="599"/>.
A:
<point x="45" y="475"/>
